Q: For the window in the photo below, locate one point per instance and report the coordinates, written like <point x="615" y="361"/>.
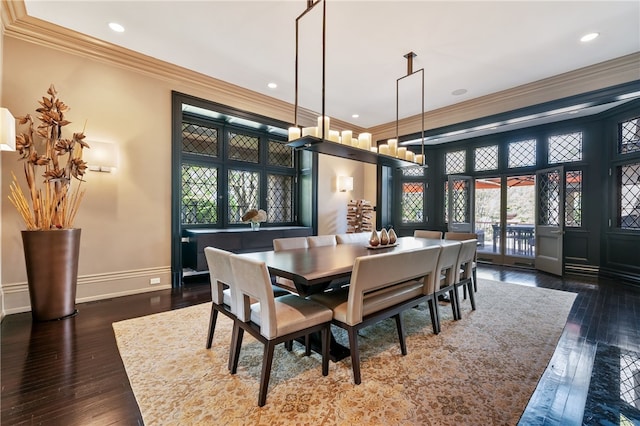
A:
<point x="628" y="177"/>
<point x="573" y="198"/>
<point x="629" y="136"/>
<point x="565" y="148"/>
<point x="413" y="202"/>
<point x="522" y="153"/>
<point x="455" y="162"/>
<point x="486" y="158"/>
<point x="227" y="170"/>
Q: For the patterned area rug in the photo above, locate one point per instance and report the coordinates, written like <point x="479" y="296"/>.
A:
<point x="480" y="370"/>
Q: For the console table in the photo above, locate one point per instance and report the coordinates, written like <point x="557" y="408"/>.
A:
<point x="237" y="240"/>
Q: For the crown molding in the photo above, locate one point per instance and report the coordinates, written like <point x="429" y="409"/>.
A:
<point x="595" y="77"/>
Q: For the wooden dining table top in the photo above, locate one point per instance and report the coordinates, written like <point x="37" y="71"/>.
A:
<point x="312" y="269"/>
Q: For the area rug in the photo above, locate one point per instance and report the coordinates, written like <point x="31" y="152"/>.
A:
<point x="480" y="370"/>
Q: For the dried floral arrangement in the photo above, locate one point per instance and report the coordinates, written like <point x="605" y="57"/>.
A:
<point x="254" y="215"/>
<point x="53" y="202"/>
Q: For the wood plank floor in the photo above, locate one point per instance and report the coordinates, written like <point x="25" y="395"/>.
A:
<point x="69" y="372"/>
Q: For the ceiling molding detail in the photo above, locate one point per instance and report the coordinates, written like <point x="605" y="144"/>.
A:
<point x="599" y="76"/>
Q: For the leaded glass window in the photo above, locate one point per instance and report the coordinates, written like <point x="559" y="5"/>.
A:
<point x="199" y="139"/>
<point x="455" y="162"/>
<point x="279" y="154"/>
<point x="573" y="198"/>
<point x="629" y="196"/>
<point x="244" y="147"/>
<point x="199" y="194"/>
<point x="413" y="202"/>
<point x="412" y="171"/>
<point x="244" y="193"/>
<point x="629" y="136"/>
<point x="522" y="153"/>
<point x="279" y="198"/>
<point x="565" y="148"/>
<point x="486" y="158"/>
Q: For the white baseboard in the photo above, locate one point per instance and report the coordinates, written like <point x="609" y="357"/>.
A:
<point x="93" y="287"/>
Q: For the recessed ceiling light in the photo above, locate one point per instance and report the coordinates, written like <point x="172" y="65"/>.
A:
<point x="272" y="85"/>
<point x="459" y="92"/>
<point x="116" y="27"/>
<point x="355" y="116"/>
<point x="588" y="37"/>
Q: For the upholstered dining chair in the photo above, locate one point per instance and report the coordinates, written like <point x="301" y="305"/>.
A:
<point x="423" y="233"/>
<point x="221" y="288"/>
<point x="353" y="238"/>
<point x="291" y="243"/>
<point x="272" y="320"/>
<point x="447" y="264"/>
<point x="383" y="286"/>
<point x="321" y="240"/>
<point x="464" y="275"/>
<point x="461" y="236"/>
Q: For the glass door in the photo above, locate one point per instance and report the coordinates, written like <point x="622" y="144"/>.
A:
<point x="505" y="213"/>
<point x="460" y="204"/>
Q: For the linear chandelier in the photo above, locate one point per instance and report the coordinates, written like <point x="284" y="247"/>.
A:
<point x="343" y="144"/>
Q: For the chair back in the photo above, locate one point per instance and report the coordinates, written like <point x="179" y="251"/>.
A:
<point x="378" y="271"/>
<point x="321" y="240"/>
<point x="422" y="233"/>
<point x="353" y="238"/>
<point x="460" y="236"/>
<point x="447" y="263"/>
<point x="251" y="279"/>
<point x="220" y="273"/>
<point x="280" y="244"/>
<point x="465" y="259"/>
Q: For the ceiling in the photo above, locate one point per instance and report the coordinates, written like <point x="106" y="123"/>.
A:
<point x="478" y="47"/>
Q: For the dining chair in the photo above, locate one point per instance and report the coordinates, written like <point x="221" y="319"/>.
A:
<point x="353" y="238"/>
<point x="321" y="240"/>
<point x="383" y="286"/>
<point x="271" y="320"/>
<point x="423" y="233"/>
<point x="447" y="264"/>
<point x="221" y="287"/>
<point x="280" y="244"/>
<point x="461" y="236"/>
<point x="464" y="275"/>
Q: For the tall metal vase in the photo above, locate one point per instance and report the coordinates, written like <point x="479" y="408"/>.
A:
<point x="51" y="258"/>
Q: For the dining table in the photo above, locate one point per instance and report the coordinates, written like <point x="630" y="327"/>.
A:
<point x="315" y="269"/>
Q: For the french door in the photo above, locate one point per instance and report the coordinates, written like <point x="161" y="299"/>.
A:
<point x="460" y="203"/>
<point x="549" y="220"/>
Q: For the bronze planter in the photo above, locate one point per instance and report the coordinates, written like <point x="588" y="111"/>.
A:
<point x="51" y="258"/>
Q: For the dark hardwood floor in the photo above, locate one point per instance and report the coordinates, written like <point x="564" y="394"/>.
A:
<point x="69" y="372"/>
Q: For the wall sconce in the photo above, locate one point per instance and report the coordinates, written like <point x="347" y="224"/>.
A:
<point x="345" y="183"/>
<point x="101" y="156"/>
<point x="7" y="131"/>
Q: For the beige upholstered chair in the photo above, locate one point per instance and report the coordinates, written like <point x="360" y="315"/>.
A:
<point x="382" y="286"/>
<point x="464" y="275"/>
<point x="221" y="287"/>
<point x="353" y="238"/>
<point x="280" y="244"/>
<point x="321" y="240"/>
<point x="422" y="233"/>
<point x="272" y="320"/>
<point x="447" y="265"/>
<point x="461" y="236"/>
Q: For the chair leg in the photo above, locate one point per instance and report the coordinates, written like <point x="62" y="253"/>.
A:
<point x="475" y="279"/>
<point x="236" y="344"/>
<point x="267" y="360"/>
<point x="307" y="345"/>
<point x="326" y="334"/>
<point x="434" y="316"/>
<point x="288" y="345"/>
<point x="472" y="297"/>
<point x="355" y="354"/>
<point x="455" y="303"/>
<point x="212" y="325"/>
<point x="436" y="311"/>
<point x="401" y="337"/>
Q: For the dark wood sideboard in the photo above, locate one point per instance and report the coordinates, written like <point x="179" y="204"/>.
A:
<point x="237" y="240"/>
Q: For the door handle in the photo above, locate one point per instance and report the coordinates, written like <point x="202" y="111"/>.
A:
<point x="556" y="232"/>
